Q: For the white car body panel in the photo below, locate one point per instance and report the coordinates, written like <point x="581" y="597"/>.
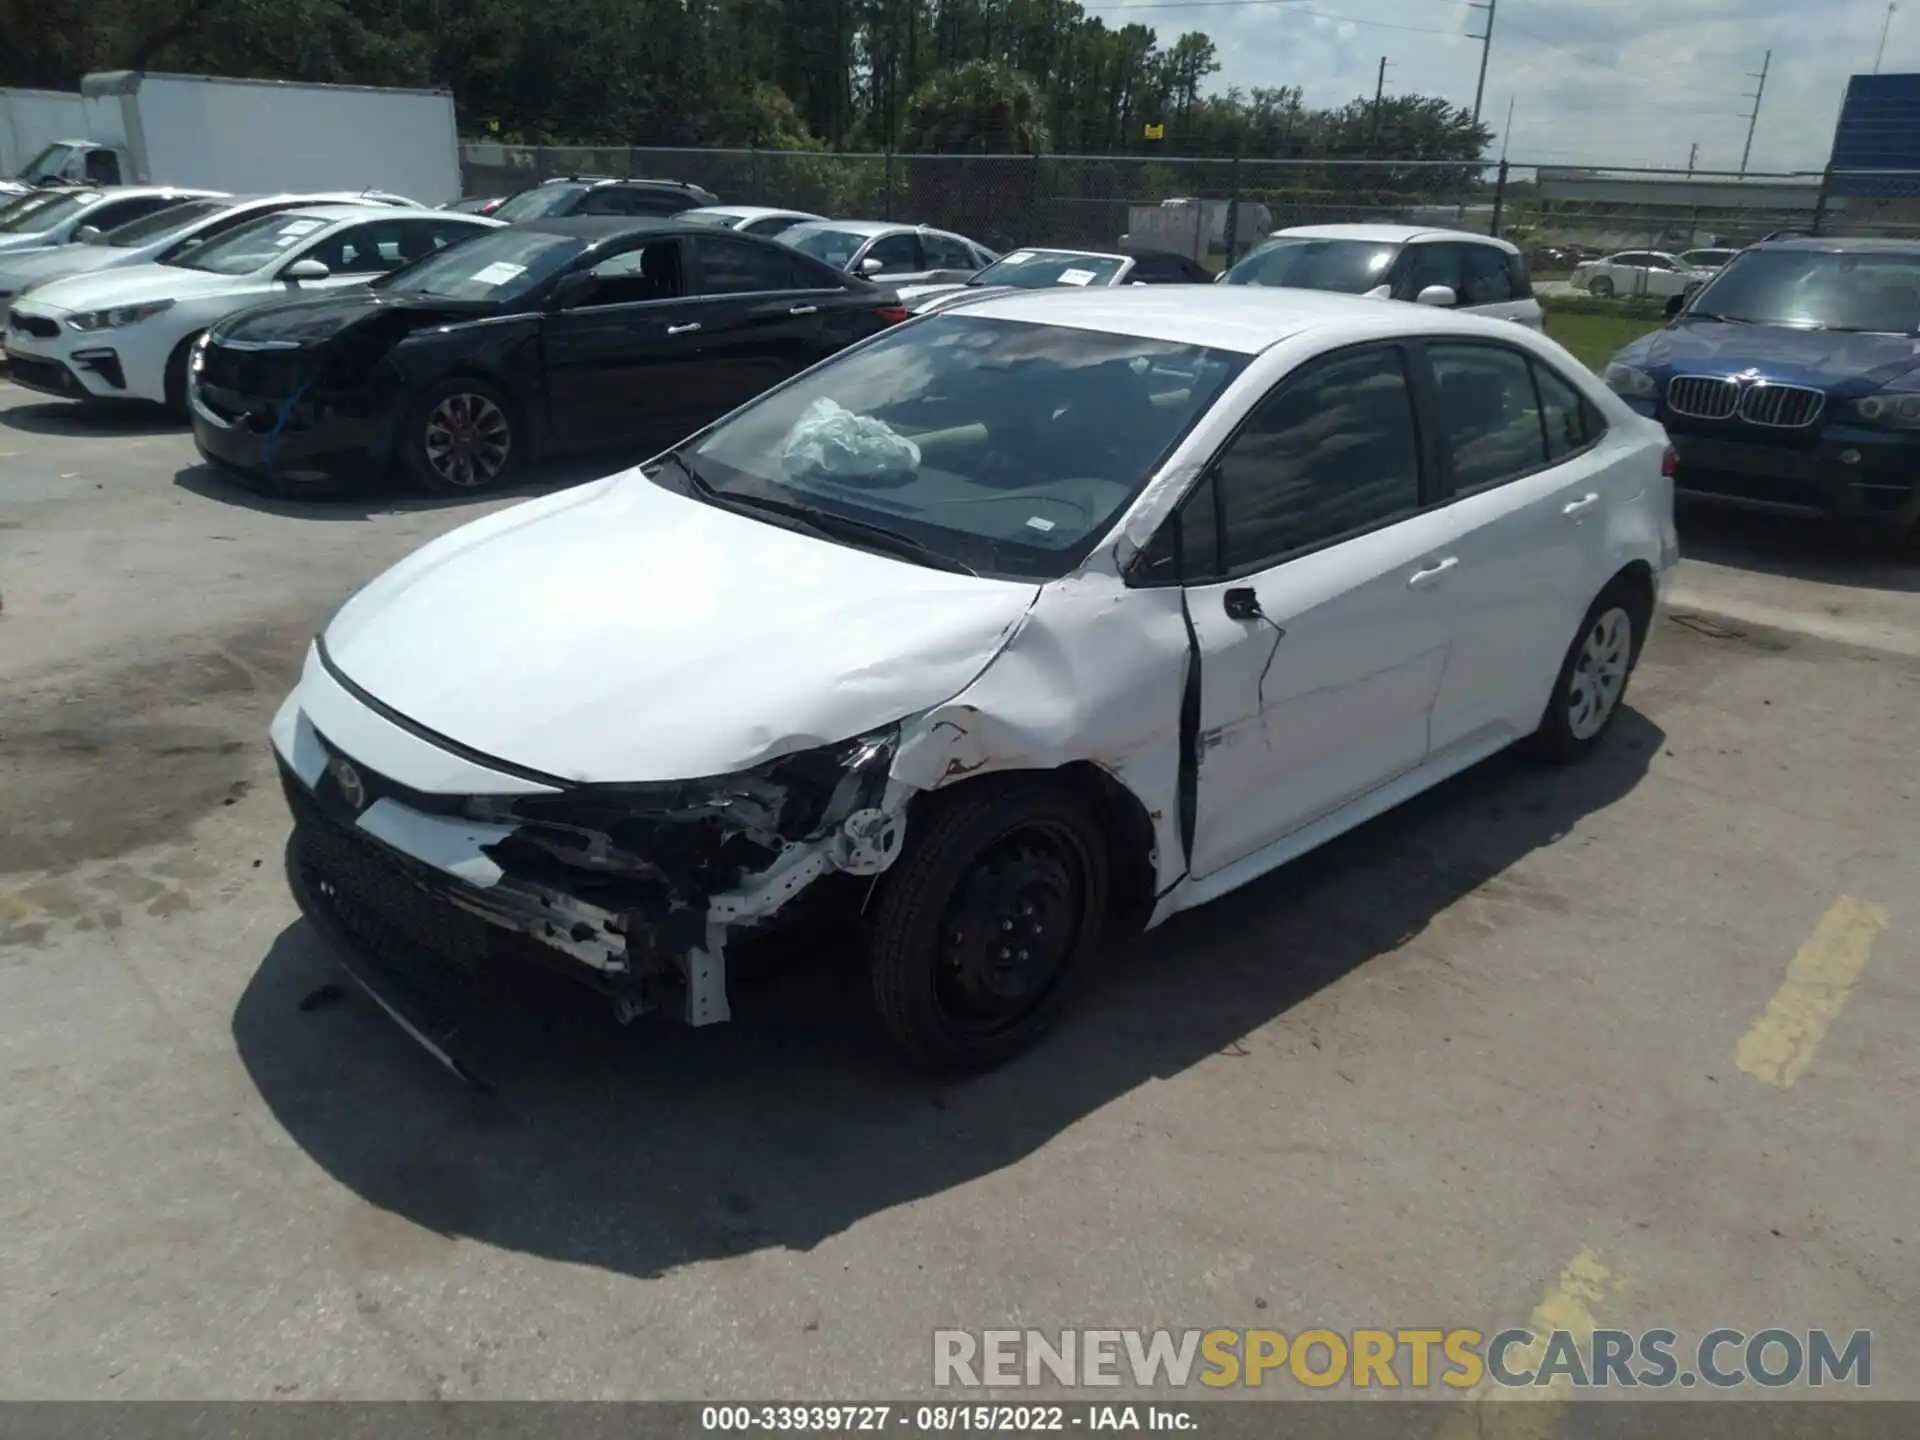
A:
<point x="42" y="266"/>
<point x="622" y="633"/>
<point x="804" y="644"/>
<point x="200" y="299"/>
<point x="1525" y="311"/>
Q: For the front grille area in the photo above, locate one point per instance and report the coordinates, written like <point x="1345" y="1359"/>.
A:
<point x="37" y="326"/>
<point x="1758" y="403"/>
<point x="382" y="899"/>
<point x="42" y="375"/>
<point x="1781" y="407"/>
<point x="1700" y="397"/>
<point x="264" y="374"/>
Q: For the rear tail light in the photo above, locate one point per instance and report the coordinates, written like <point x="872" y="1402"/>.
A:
<point x="893" y="314"/>
<point x="1669" y="462"/>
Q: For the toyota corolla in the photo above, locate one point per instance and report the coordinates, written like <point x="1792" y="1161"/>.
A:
<point x="1064" y="611"/>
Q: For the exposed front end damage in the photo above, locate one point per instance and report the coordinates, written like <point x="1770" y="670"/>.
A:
<point x="636" y="890"/>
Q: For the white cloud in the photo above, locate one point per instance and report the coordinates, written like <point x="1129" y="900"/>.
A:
<point x="1621" y="82"/>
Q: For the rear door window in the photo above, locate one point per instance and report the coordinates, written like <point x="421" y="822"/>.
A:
<point x="1488" y="412"/>
<point x="1487" y="280"/>
<point x="733" y="267"/>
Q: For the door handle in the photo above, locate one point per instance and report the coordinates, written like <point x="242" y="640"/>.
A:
<point x="1422" y="578"/>
<point x="685" y="329"/>
<point x="804" y="310"/>
<point x="1574" y="509"/>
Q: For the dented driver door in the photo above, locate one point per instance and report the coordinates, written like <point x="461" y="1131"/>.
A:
<point x="1321" y="650"/>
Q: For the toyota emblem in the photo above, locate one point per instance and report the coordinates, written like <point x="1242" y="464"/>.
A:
<point x="352" y="788"/>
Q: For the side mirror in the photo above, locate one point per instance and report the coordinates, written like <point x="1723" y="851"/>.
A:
<point x="1441" y="295"/>
<point x="87" y="234"/>
<point x="1675" y="304"/>
<point x="308" y="269"/>
<point x="871" y="266"/>
<point x="572" y="289"/>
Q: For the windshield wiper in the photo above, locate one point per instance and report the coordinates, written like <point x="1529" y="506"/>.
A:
<point x="1723" y="319"/>
<point x="822" y="524"/>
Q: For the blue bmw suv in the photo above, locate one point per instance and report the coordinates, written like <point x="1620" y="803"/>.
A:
<point x="1791" y="381"/>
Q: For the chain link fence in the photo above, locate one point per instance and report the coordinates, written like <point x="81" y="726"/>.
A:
<point x="1558" y="214"/>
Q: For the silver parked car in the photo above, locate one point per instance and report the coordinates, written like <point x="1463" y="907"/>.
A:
<point x="893" y="254"/>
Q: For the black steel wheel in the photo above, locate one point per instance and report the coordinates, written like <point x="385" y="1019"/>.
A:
<point x="987" y="921"/>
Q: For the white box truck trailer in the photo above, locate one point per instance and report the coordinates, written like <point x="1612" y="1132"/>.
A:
<point x="256" y="136"/>
<point x="31" y="120"/>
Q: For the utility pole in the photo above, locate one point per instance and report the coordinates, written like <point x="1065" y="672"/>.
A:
<point x="1485" y="38"/>
<point x="1693" y="154"/>
<point x="1379" y="98"/>
<point x="1881" y="53"/>
<point x="1753" y="117"/>
<point x="1507" y="134"/>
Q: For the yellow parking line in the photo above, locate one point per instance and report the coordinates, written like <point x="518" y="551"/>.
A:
<point x="1567" y="1305"/>
<point x="1783" y="1040"/>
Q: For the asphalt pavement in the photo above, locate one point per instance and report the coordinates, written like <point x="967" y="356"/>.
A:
<point x="1631" y="1044"/>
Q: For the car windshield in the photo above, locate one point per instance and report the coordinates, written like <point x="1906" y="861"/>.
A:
<point x="252" y="246"/>
<point x="1351" y="267"/>
<point x="1876" y="291"/>
<point x="836" y="247"/>
<point x="495" y="265"/>
<point x="539" y="201"/>
<point x="161" y="224"/>
<point x="43" y="212"/>
<point x="1002" y="447"/>
<point x="1037" y="269"/>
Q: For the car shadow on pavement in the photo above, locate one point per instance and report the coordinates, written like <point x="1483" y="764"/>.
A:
<point x="385" y="497"/>
<point x="1795" y="548"/>
<point x="84" y="422"/>
<point x="644" y="1149"/>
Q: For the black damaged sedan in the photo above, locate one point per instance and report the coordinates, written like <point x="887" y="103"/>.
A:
<point x="529" y="341"/>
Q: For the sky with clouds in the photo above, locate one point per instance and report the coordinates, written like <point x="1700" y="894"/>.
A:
<point x="1620" y="82"/>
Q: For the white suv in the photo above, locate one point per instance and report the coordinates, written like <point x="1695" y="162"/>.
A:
<point x="1452" y="269"/>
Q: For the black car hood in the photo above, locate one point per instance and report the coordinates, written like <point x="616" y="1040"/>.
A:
<point x="1826" y="359"/>
<point x="310" y="322"/>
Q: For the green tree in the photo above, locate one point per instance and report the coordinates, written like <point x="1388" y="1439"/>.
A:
<point x="980" y="107"/>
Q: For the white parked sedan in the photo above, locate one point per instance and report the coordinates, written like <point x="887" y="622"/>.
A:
<point x="47" y="219"/>
<point x="125" y="334"/>
<point x="1637" y="272"/>
<point x="164" y="235"/>
<point x="1015" y="623"/>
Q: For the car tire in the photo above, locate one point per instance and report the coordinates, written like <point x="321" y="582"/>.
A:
<point x="1600" y="287"/>
<point x="174" y="381"/>
<point x="461" y="437"/>
<point x="1591" y="687"/>
<point x="998" y="862"/>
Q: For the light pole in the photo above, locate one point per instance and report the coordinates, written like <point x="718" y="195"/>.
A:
<point x="1881" y="53"/>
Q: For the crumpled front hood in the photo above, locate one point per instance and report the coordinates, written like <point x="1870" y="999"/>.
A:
<point x="1834" y="360"/>
<point x="309" y="322"/>
<point x="621" y="632"/>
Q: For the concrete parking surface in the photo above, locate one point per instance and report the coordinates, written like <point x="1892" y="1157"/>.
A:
<point x="1631" y="1044"/>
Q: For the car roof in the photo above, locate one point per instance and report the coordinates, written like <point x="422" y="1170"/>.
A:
<point x="1843" y="245"/>
<point x="117" y="192"/>
<point x="861" y="227"/>
<point x="1390" y="234"/>
<point x="600" y="227"/>
<point x="1241" y="318"/>
<point x="749" y="212"/>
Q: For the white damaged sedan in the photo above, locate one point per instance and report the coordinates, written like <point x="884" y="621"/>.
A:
<point x="1047" y="614"/>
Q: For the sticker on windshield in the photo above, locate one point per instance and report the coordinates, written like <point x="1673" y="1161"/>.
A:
<point x="295" y="228"/>
<point x="498" y="273"/>
<point x="1019" y="257"/>
<point x="283" y="241"/>
<point x="1076" y="277"/>
<point x="1036" y="522"/>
